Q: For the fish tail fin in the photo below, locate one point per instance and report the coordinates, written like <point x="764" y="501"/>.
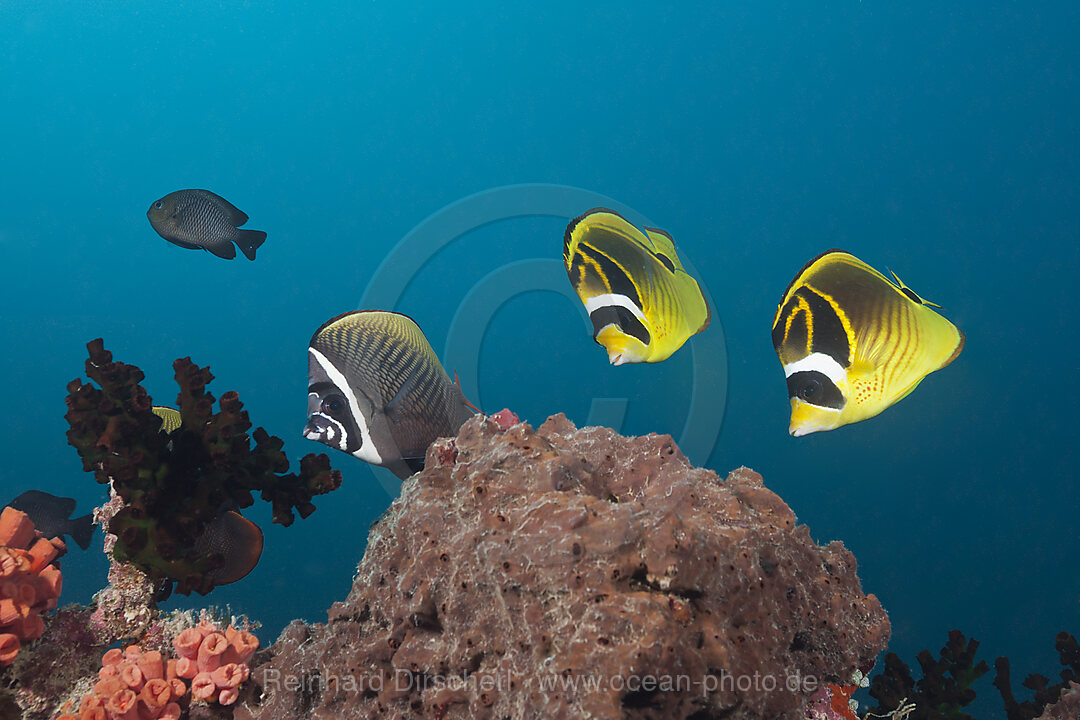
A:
<point x="81" y="530"/>
<point x="249" y="241"/>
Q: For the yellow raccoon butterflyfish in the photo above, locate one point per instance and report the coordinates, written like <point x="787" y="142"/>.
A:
<point x="852" y="342"/>
<point x="642" y="303"/>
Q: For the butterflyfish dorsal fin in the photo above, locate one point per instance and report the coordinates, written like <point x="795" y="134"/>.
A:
<point x="664" y="248"/>
<point x="915" y="297"/>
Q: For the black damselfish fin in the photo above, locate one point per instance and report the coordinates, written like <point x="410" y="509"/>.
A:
<point x="81" y="530"/>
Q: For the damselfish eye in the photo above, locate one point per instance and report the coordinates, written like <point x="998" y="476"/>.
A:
<point x="810" y="389"/>
<point x="333" y="403"/>
<point x="158" y="205"/>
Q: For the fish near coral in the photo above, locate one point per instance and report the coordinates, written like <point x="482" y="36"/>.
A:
<point x="642" y="303"/>
<point x="237" y="540"/>
<point x="197" y="219"/>
<point x="853" y="343"/>
<point x="176" y="489"/>
<point x="377" y="391"/>
<point x="171" y="420"/>
<point x="51" y="515"/>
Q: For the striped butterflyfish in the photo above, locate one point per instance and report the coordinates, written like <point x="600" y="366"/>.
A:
<point x="642" y="303"/>
<point x="377" y="391"/>
<point x="170" y="418"/>
<point x="853" y="342"/>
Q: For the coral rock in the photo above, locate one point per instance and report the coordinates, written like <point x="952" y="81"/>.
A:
<point x="29" y="582"/>
<point x="565" y="573"/>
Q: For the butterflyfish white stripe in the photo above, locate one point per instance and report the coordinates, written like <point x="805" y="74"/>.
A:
<point x="609" y="299"/>
<point x="367" y="452"/>
<point x="822" y="363"/>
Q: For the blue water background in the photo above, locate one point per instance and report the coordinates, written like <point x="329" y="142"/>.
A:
<point x="938" y="139"/>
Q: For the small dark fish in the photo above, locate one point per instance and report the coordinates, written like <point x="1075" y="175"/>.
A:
<point x="200" y="219"/>
<point x="51" y="515"/>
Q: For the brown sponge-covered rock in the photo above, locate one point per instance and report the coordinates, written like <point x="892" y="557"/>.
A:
<point x="565" y="573"/>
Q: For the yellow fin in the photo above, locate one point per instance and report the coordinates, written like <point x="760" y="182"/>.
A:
<point x="664" y="245"/>
<point x="862" y="368"/>
<point x="911" y="293"/>
<point x="170" y="418"/>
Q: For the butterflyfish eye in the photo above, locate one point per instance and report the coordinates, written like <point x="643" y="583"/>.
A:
<point x="810" y="389"/>
<point x="333" y="404"/>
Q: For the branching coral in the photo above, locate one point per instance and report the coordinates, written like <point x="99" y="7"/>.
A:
<point x="945" y="688"/>
<point x="174" y="485"/>
<point x="29" y="582"/>
<point x="1044" y="693"/>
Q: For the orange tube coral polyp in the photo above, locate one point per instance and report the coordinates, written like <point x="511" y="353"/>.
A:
<point x="132" y="676"/>
<point x="42" y="553"/>
<point x="242" y="645"/>
<point x="203" y="687"/>
<point x="187" y="643"/>
<point x="23" y="592"/>
<point x="228" y="676"/>
<point x="213" y="645"/>
<point x="178" y="687"/>
<point x="9" y="648"/>
<point x="187" y="668"/>
<point x="156" y="694"/>
<point x="9" y="611"/>
<point x="152" y="666"/>
<point x="16" y="530"/>
<point x="107" y="687"/>
<point x="112" y="657"/>
<point x="124" y="704"/>
<point x="51" y="579"/>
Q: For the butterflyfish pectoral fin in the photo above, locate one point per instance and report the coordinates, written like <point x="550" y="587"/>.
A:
<point x="862" y="368"/>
